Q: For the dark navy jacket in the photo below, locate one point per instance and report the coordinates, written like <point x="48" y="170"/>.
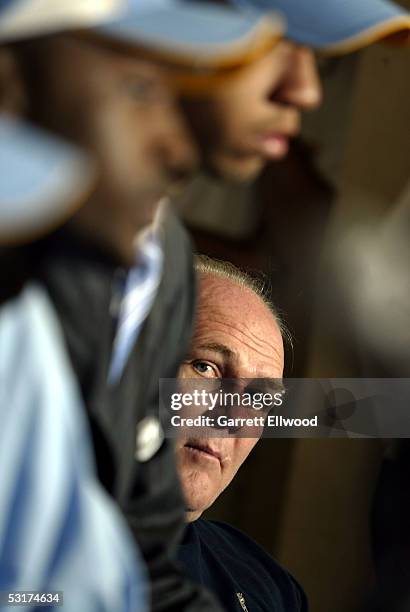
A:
<point x="243" y="576"/>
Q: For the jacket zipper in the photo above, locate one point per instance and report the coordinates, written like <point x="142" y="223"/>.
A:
<point x="241" y="599"/>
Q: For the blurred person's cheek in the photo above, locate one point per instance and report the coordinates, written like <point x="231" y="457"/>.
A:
<point x="171" y="143"/>
<point x="12" y="95"/>
<point x="146" y="147"/>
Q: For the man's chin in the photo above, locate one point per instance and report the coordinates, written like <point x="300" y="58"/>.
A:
<point x="236" y="170"/>
<point x="195" y="507"/>
<point x="198" y="494"/>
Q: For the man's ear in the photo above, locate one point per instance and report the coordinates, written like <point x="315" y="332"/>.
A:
<point x="13" y="97"/>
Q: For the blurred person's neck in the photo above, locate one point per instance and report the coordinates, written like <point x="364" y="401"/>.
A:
<point x="113" y="229"/>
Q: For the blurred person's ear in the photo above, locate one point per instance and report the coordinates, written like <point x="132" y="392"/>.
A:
<point x="13" y="98"/>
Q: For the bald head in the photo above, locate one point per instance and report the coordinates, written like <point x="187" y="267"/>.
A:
<point x="234" y="318"/>
<point x="237" y="335"/>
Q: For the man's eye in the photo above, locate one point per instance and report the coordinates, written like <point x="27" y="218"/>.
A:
<point x="140" y="90"/>
<point x="205" y="369"/>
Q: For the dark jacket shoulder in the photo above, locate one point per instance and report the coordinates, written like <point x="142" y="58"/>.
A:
<point x="238" y="570"/>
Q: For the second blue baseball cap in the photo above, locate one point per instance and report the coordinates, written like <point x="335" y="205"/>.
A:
<point x="339" y="26"/>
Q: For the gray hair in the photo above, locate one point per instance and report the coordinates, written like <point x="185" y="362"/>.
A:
<point x="258" y="283"/>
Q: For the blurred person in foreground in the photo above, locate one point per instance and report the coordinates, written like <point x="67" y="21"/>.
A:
<point x="251" y="119"/>
<point x="120" y="269"/>
<point x="61" y="535"/>
<point x="237" y="335"/>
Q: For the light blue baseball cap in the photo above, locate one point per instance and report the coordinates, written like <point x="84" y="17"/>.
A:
<point x="339" y="26"/>
<point x="203" y="33"/>
<point x="42" y="180"/>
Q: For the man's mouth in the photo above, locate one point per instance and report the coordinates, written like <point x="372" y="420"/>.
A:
<point x="203" y="450"/>
<point x="275" y="145"/>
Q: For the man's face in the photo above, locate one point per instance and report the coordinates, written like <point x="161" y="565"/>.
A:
<point x="236" y="336"/>
<point x="251" y="118"/>
<point x="117" y="107"/>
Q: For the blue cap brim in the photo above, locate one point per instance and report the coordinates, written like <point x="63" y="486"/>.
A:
<point x="194" y="32"/>
<point x="199" y="32"/>
<point x="42" y="181"/>
<point x="337" y="26"/>
<point x="23" y="19"/>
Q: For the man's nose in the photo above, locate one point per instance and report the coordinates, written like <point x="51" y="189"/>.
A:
<point x="302" y="86"/>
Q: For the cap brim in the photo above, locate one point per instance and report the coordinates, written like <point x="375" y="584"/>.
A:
<point x="196" y="34"/>
<point x="205" y="33"/>
<point x="24" y="19"/>
<point x="42" y="181"/>
<point x="339" y="26"/>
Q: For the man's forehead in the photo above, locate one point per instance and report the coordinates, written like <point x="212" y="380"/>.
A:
<point x="218" y="347"/>
<point x="222" y="293"/>
<point x="234" y="321"/>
